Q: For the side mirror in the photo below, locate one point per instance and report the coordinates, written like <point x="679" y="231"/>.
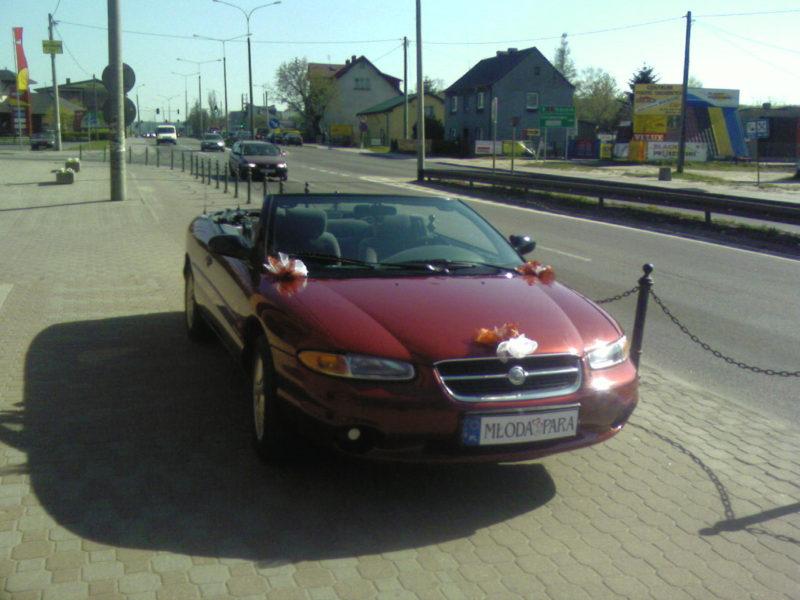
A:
<point x="229" y="245"/>
<point x="524" y="244"/>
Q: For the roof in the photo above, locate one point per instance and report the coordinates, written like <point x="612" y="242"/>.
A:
<point x="491" y="70"/>
<point x="6" y="75"/>
<point x="86" y="83"/>
<point x="393" y="81"/>
<point x="391" y="103"/>
<point x="323" y="69"/>
<point x="42" y="103"/>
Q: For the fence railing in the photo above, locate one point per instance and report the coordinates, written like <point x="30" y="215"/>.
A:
<point x="706" y="202"/>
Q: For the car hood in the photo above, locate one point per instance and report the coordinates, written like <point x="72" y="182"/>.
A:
<point x="263" y="160"/>
<point x="425" y="319"/>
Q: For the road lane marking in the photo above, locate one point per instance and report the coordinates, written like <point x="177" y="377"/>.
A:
<point x="5" y="290"/>
<point x="575" y="256"/>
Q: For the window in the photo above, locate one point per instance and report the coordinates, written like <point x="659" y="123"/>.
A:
<point x="479" y="133"/>
<point x="453" y="133"/>
<point x="479" y="101"/>
<point x="362" y="83"/>
<point x="429" y="111"/>
<point x="537" y="71"/>
<point x="465" y="104"/>
<point x="454" y="104"/>
<point x="532" y="100"/>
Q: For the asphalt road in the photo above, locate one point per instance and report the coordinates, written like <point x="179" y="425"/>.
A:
<point x="741" y="303"/>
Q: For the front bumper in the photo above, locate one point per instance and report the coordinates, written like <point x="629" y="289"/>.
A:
<point x="418" y="421"/>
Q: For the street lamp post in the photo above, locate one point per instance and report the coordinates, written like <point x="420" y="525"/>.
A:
<point x="138" y="114"/>
<point x="168" y="100"/>
<point x="224" y="65"/>
<point x="247" y="14"/>
<point x="198" y="63"/>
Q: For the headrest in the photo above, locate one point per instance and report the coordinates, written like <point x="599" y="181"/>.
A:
<point x="300" y="224"/>
<point x="393" y="225"/>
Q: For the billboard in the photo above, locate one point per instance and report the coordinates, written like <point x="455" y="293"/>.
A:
<point x="715" y="97"/>
<point x="656" y="99"/>
<point x="695" y="151"/>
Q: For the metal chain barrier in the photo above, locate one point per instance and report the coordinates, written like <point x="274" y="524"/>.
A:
<point x="618" y="296"/>
<point x="717" y="353"/>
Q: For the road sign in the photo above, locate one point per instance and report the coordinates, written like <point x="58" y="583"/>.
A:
<point x="274" y="123"/>
<point x="128" y="78"/>
<point x="557" y="116"/>
<point x="757" y="129"/>
<point x="531" y="132"/>
<point x="130" y="111"/>
<point x="52" y="47"/>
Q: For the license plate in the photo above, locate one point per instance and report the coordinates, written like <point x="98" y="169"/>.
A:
<point x="492" y="430"/>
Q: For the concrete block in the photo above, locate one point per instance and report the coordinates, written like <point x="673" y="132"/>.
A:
<point x="64" y="176"/>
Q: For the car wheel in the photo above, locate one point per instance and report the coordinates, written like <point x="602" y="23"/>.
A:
<point x="196" y="327"/>
<point x="272" y="437"/>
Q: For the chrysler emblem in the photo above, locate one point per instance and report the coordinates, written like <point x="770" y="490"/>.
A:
<point x="517" y="375"/>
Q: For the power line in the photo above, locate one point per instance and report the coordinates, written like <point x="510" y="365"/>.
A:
<point x="55" y="10"/>
<point x="63" y="43"/>
<point x="751" y="40"/>
<point x="750" y="14"/>
<point x="382" y="56"/>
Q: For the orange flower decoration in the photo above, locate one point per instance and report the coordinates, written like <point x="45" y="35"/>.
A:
<point x="492" y="337"/>
<point x="533" y="270"/>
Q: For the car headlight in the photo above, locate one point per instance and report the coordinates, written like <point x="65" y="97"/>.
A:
<point x="251" y="165"/>
<point x="281" y="165"/>
<point x="357" y="366"/>
<point x="608" y="355"/>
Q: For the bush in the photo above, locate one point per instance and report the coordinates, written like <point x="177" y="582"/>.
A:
<point x="446" y="148"/>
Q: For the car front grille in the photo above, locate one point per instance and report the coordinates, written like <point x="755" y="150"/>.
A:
<point x="490" y="379"/>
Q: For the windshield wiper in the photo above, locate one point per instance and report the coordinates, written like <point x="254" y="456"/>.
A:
<point x="443" y="265"/>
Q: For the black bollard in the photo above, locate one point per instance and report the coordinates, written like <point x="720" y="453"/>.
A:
<point x="171" y="159"/>
<point x="249" y="184"/>
<point x="146" y="156"/>
<point x="236" y="177"/>
<point x="645" y="285"/>
<point x="158" y="157"/>
<point x="216" y="174"/>
<point x="226" y="168"/>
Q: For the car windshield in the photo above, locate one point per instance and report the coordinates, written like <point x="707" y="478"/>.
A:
<point x="260" y="150"/>
<point x="344" y="234"/>
<point x="165" y="130"/>
<point x="213" y="137"/>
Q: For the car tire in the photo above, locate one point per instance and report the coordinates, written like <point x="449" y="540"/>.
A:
<point x="196" y="327"/>
<point x="273" y="438"/>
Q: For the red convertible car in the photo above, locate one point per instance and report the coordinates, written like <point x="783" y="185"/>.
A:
<point x="403" y="328"/>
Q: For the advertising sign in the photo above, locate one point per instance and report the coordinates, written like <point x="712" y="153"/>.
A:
<point x="695" y="151"/>
<point x="656" y="99"/>
<point x="716" y="97"/>
<point x="52" y="47"/>
<point x="649" y="124"/>
<point x="485" y="147"/>
<point x="341" y="131"/>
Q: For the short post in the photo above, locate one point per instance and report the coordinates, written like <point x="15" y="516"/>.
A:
<point x="201" y="163"/>
<point x="104" y="152"/>
<point x="645" y="285"/>
<point x="226" y="169"/>
<point x="216" y="174"/>
<point x="708" y="217"/>
<point x="306" y="190"/>
<point x="208" y="182"/>
<point x="130" y="154"/>
<point x="158" y="157"/>
<point x="280" y="186"/>
<point x="80" y="151"/>
<point x="236" y="183"/>
<point x="171" y="159"/>
<point x="600" y="202"/>
<point x="183" y="161"/>
<point x="249" y="184"/>
<point x="264" y="195"/>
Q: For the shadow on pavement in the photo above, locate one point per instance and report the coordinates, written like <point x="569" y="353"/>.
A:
<point x="137" y="438"/>
<point x="54" y="205"/>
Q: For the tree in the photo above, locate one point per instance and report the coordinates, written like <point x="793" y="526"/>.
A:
<point x="307" y="93"/>
<point x="563" y="62"/>
<point x="431" y="85"/>
<point x="598" y="98"/>
<point x="193" y="120"/>
<point x="694" y="82"/>
<point x="67" y="119"/>
<point x="645" y="74"/>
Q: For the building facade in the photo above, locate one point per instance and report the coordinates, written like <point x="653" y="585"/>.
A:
<point x="385" y="121"/>
<point x="522" y="81"/>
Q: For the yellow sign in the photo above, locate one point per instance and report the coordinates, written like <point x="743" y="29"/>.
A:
<point x="650" y="124"/>
<point x="52" y="47"/>
<point x="656" y="99"/>
<point x="341" y="131"/>
<point x="531" y="132"/>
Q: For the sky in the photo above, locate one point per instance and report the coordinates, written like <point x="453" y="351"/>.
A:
<point x="731" y="47"/>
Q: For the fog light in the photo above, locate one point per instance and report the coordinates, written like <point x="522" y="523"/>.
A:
<point x="354" y="434"/>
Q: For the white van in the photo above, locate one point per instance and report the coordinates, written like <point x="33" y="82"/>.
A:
<point x="166" y="134"/>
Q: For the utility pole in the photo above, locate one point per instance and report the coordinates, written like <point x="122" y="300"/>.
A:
<point x="57" y="103"/>
<point x="405" y="87"/>
<point x="420" y="100"/>
<point x="684" y="94"/>
<point x="200" y="102"/>
<point x="117" y="129"/>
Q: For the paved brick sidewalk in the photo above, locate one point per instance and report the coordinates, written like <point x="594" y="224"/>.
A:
<point x="126" y="472"/>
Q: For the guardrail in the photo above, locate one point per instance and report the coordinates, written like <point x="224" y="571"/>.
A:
<point x="708" y="203"/>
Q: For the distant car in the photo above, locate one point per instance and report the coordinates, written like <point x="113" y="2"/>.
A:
<point x="293" y="139"/>
<point x="261" y="159"/>
<point x="44" y="139"/>
<point x="237" y="136"/>
<point x="262" y="133"/>
<point x="166" y="134"/>
<point x="212" y="142"/>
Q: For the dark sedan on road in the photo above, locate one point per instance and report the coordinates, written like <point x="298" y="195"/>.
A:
<point x="260" y="159"/>
<point x="403" y="328"/>
<point x="212" y="142"/>
<point x="43" y="140"/>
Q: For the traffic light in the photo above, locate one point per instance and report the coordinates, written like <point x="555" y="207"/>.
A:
<point x="179" y="111"/>
<point x="158" y="111"/>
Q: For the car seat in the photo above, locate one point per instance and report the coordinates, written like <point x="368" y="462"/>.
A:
<point x="302" y="230"/>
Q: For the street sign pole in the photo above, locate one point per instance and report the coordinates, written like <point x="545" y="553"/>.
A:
<point x="117" y="129"/>
<point x="57" y="102"/>
<point x="513" y="147"/>
<point x="494" y="133"/>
